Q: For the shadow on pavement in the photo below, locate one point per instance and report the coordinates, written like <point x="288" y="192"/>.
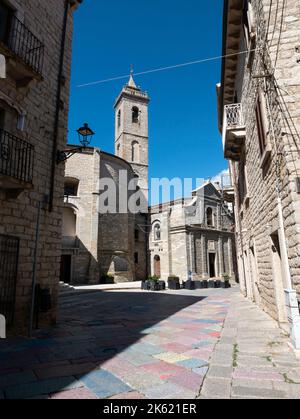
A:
<point x="92" y="329"/>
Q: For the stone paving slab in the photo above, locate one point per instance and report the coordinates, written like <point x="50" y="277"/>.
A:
<point x="129" y="344"/>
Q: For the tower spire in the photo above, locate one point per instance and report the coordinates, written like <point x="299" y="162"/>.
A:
<point x="131" y="82"/>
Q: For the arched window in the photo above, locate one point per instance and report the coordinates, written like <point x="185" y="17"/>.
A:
<point x="209" y="217"/>
<point x="135" y="151"/>
<point x="135" y="114"/>
<point x="118" y="150"/>
<point x="119" y="118"/>
<point x="157" y="232"/>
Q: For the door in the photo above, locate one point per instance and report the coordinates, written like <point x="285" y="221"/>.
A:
<point x="212" y="265"/>
<point x="65" y="269"/>
<point x="9" y="252"/>
<point x="157" y="271"/>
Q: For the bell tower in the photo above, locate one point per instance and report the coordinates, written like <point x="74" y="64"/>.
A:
<point x="131" y="131"/>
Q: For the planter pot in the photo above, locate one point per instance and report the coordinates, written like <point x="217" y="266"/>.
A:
<point x="204" y="284"/>
<point x="174" y="283"/>
<point x="227" y="284"/>
<point x="211" y="284"/>
<point x="144" y="285"/>
<point x="154" y="286"/>
<point x="162" y="285"/>
<point x="189" y="285"/>
<point x="198" y="285"/>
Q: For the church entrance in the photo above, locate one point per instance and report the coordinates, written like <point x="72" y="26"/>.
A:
<point x="212" y="265"/>
<point x="157" y="271"/>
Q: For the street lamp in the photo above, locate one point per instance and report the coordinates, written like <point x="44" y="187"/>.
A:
<point x="85" y="135"/>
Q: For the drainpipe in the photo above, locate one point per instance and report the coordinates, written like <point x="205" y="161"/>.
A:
<point x="57" y="110"/>
<point x="34" y="270"/>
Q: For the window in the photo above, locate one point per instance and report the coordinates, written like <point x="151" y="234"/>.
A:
<point x="6" y="14"/>
<point x="135" y="114"/>
<point x="136" y="235"/>
<point x="261" y="124"/>
<point x="209" y="217"/>
<point x="136" y="258"/>
<point x="242" y="182"/>
<point x="71" y="187"/>
<point x="119" y="118"/>
<point x="157" y="232"/>
<point x="135" y="151"/>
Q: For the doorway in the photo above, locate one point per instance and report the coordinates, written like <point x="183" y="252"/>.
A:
<point x="212" y="265"/>
<point x="157" y="270"/>
<point x="65" y="269"/>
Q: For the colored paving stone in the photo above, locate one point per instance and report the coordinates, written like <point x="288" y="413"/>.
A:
<point x="41" y="388"/>
<point x="78" y="393"/>
<point x="171" y="357"/>
<point x="109" y="346"/>
<point x="192" y="363"/>
<point x="104" y="384"/>
<point x="133" y="395"/>
<point x="187" y="379"/>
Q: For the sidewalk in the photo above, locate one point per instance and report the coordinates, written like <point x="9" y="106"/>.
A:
<point x="252" y="358"/>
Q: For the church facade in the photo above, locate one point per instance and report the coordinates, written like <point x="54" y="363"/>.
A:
<point x="191" y="236"/>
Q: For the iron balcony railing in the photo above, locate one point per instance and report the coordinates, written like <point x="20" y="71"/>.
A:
<point x="9" y="253"/>
<point x="16" y="157"/>
<point x="25" y="45"/>
<point x="233" y="119"/>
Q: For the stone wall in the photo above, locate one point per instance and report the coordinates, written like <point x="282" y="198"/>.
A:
<point x="258" y="213"/>
<point x="18" y="217"/>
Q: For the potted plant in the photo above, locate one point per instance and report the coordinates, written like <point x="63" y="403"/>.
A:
<point x="211" y="283"/>
<point x="189" y="285"/>
<point x="226" y="280"/>
<point x="218" y="283"/>
<point x="162" y="285"/>
<point x="198" y="284"/>
<point x="173" y="282"/>
<point x="107" y="279"/>
<point x="204" y="283"/>
<point x="154" y="283"/>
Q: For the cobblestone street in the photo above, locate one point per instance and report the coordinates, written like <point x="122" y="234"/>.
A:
<point x="132" y="344"/>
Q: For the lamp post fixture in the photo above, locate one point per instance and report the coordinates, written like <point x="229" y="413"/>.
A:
<point x="85" y="135"/>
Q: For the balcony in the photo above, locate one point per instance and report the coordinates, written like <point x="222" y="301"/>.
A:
<point x="16" y="163"/>
<point x="70" y="242"/>
<point x="24" y="53"/>
<point x="234" y="131"/>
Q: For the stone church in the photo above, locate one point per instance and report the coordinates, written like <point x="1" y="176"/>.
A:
<point x="194" y="235"/>
<point x="96" y="244"/>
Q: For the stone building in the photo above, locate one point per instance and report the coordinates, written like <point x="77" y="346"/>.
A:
<point x="35" y="44"/>
<point x="97" y="242"/>
<point x="259" y="115"/>
<point x="193" y="236"/>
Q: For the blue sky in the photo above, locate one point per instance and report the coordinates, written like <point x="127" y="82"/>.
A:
<point x="111" y="35"/>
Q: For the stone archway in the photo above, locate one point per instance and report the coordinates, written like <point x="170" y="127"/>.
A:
<point x="157" y="266"/>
